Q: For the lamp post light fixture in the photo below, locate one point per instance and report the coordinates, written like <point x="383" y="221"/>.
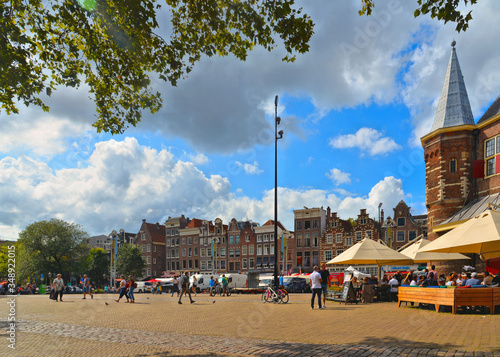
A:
<point x="379" y="223"/>
<point x="277" y="135"/>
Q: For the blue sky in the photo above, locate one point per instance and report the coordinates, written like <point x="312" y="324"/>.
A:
<point x="353" y="110"/>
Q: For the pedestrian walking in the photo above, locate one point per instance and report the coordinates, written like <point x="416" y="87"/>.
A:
<point x="58" y="286"/>
<point x="184" y="281"/>
<point x="316" y="287"/>
<point x="87" y="289"/>
<point x="195" y="284"/>
<point x="123" y="289"/>
<point x="131" y="287"/>
<point x="179" y="285"/>
<point x="175" y="286"/>
<point x="325" y="282"/>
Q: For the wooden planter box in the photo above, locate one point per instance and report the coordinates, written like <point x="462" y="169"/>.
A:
<point x="451" y="297"/>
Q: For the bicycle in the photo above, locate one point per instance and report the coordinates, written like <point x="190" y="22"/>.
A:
<point x="277" y="296"/>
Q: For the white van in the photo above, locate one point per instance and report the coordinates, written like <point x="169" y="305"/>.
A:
<point x="144" y="287"/>
<point x="202" y="281"/>
<point x="237" y="280"/>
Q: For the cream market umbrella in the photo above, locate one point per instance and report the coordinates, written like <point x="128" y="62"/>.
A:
<point x="480" y="235"/>
<point x="369" y="251"/>
<point x="413" y="251"/>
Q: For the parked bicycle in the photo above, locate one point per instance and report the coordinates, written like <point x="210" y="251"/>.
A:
<point x="217" y="290"/>
<point x="275" y="295"/>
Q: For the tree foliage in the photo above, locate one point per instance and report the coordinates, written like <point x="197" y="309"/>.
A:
<point x="118" y="47"/>
<point x="129" y="261"/>
<point x="443" y="10"/>
<point x="97" y="264"/>
<point x="50" y="246"/>
<point x="115" y="47"/>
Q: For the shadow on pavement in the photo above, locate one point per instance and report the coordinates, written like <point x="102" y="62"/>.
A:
<point x="174" y="354"/>
<point x="397" y="342"/>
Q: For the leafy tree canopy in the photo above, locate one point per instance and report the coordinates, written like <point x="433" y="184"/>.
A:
<point x="116" y="46"/>
<point x="445" y="10"/>
<point x="97" y="264"/>
<point x="54" y="246"/>
<point x="129" y="261"/>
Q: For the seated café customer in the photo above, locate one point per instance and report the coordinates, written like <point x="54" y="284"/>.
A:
<point x="473" y="280"/>
<point x="487" y="279"/>
<point x="421" y="280"/>
<point x="373" y="280"/>
<point x="393" y="283"/>
<point x="384" y="281"/>
<point x="453" y="280"/>
<point x="414" y="280"/>
<point x="368" y="291"/>
<point x="430" y="281"/>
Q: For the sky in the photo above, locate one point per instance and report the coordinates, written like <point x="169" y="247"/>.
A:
<point x="353" y="111"/>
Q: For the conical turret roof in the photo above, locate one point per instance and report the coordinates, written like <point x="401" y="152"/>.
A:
<point x="454" y="107"/>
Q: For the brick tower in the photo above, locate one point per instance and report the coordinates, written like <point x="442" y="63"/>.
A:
<point x="448" y="150"/>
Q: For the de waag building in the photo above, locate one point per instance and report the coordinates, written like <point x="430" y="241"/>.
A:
<point x="462" y="162"/>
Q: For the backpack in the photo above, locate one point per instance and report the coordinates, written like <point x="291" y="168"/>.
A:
<point x="135" y="285"/>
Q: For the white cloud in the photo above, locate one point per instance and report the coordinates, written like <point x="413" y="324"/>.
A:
<point x="198" y="159"/>
<point x="339" y="177"/>
<point x="367" y="140"/>
<point x="124" y="182"/>
<point x="45" y="136"/>
<point x="389" y="192"/>
<point x="250" y="169"/>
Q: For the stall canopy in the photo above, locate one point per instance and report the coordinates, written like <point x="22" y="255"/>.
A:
<point x="413" y="252"/>
<point x="480" y="235"/>
<point x="369" y="251"/>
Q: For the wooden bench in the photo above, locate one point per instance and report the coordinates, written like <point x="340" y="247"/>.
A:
<point x="451" y="297"/>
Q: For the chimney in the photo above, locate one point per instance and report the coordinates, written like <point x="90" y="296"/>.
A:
<point x="328" y="212"/>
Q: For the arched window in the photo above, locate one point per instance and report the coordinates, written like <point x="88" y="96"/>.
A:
<point x="453" y="165"/>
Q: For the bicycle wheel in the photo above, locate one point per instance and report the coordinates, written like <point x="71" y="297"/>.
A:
<point x="284" y="296"/>
<point x="228" y="291"/>
<point x="265" y="296"/>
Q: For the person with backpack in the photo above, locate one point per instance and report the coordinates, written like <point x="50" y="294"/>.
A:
<point x="225" y="283"/>
<point x="184" y="281"/>
<point x="132" y="286"/>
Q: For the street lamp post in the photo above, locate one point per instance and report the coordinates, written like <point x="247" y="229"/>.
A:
<point x="379" y="223"/>
<point x="277" y="135"/>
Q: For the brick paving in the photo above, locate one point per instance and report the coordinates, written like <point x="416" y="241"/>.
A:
<point x="239" y="326"/>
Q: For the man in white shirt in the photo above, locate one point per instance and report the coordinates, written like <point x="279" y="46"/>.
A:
<point x="393" y="283"/>
<point x="316" y="287"/>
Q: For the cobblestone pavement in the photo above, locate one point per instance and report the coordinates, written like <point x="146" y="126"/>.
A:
<point x="239" y="326"/>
